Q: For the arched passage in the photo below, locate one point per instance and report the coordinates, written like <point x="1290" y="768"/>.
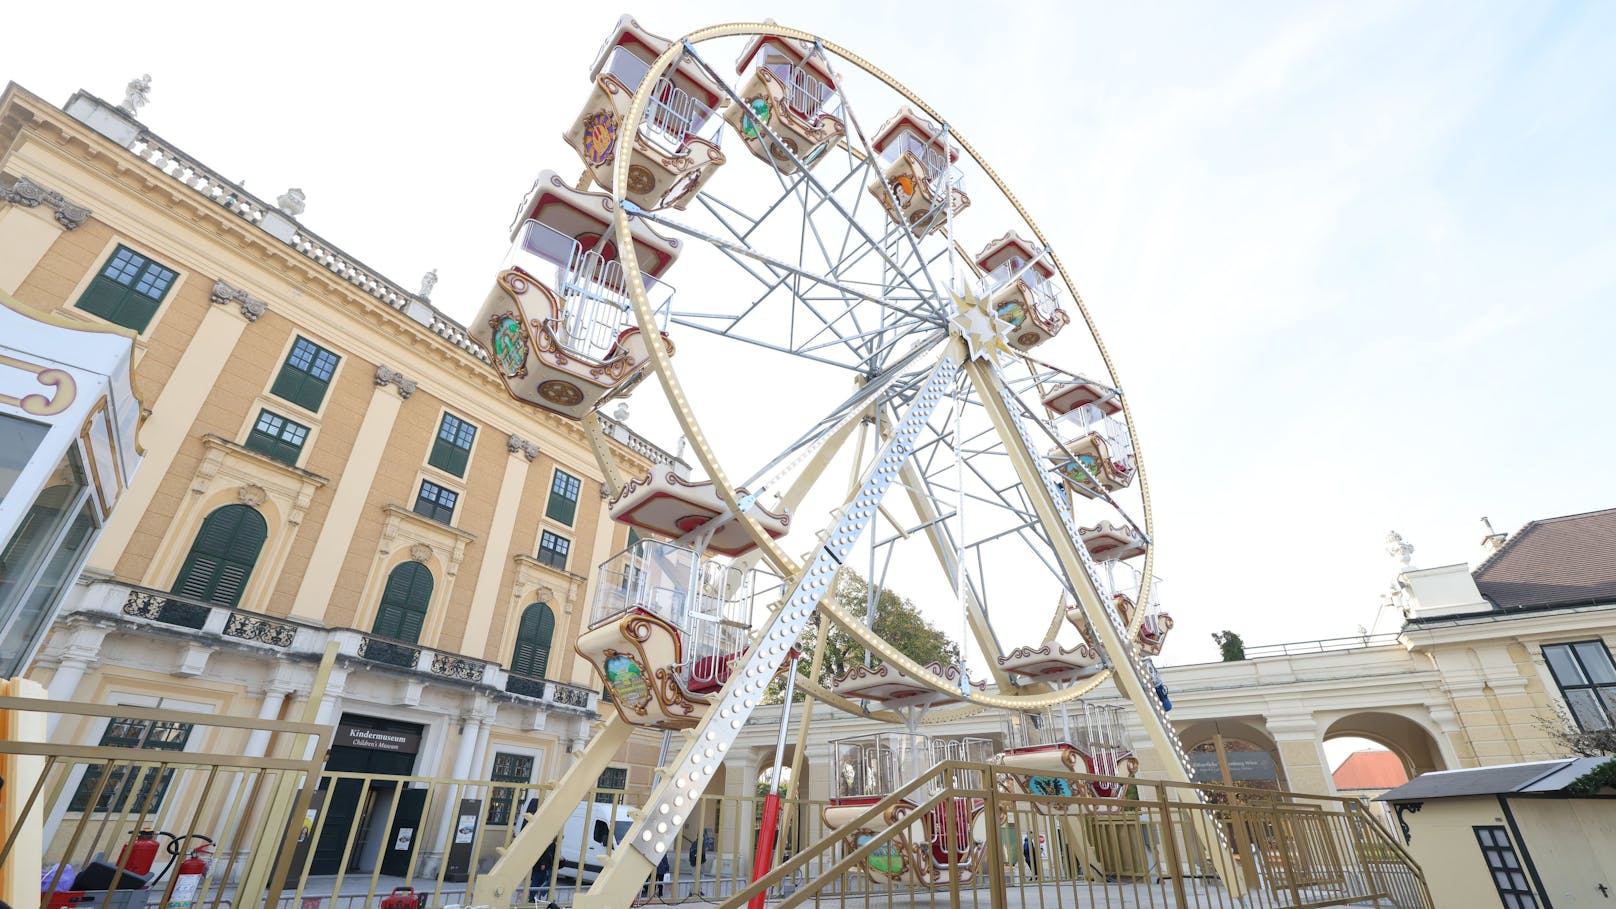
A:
<point x="1414" y="746"/>
<point x="1249" y="752"/>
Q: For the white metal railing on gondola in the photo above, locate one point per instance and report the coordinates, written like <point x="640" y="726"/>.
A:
<point x="710" y="603"/>
<point x="941" y="174"/>
<point x="592" y="288"/>
<point x="1045" y="295"/>
<point x="1088" y="726"/>
<point x="673" y="114"/>
<point x="874" y="765"/>
<point x="806" y="96"/>
<point x="1090" y="419"/>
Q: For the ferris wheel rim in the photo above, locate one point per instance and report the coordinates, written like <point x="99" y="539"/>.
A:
<point x="697" y="440"/>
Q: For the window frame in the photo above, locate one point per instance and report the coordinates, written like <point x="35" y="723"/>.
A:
<point x="563" y="553"/>
<point x="502" y="799"/>
<point x="141" y="797"/>
<point x="447" y="453"/>
<point x="437" y="503"/>
<point x="604" y="790"/>
<point x="568" y="504"/>
<point x="108" y="287"/>
<point x="292" y="382"/>
<point x="1570" y="648"/>
<point x="277" y="444"/>
<point x="1505" y="851"/>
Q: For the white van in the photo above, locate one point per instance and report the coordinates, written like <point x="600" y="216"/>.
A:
<point x="589" y="834"/>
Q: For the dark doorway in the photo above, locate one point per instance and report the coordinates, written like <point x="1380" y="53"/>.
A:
<point x="405" y="833"/>
<point x="357" y="809"/>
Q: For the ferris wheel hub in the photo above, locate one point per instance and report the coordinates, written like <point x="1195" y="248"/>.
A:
<point x="986" y="335"/>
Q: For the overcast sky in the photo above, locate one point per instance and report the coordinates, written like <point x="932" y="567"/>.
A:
<point x="1355" y="262"/>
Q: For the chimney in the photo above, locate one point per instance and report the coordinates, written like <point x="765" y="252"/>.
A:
<point x="1491" y="541"/>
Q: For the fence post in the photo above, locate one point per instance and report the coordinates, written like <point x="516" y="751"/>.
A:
<point x="1169" y="838"/>
<point x="995" y="845"/>
<point x="21" y="821"/>
<point x="266" y="870"/>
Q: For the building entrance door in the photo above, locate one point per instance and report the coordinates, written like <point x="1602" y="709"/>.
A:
<point x="406" y="833"/>
<point x="357" y="808"/>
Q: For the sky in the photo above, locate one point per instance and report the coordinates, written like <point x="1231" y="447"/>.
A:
<point x="1355" y="261"/>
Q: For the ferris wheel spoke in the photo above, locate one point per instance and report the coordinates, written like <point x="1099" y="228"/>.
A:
<point x="886" y="190"/>
<point x="902" y="374"/>
<point x="846" y="294"/>
<point x="805" y="178"/>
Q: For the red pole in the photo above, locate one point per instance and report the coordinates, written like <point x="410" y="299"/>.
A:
<point x="763" y="858"/>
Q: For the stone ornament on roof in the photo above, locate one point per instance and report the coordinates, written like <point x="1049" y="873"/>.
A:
<point x="428" y="281"/>
<point x="136" y="94"/>
<point x="291" y="202"/>
<point x="1400" y="550"/>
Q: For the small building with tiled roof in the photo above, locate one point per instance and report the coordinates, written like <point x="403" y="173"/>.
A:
<point x="1369" y="772"/>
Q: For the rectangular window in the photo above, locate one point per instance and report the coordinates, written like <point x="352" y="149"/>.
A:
<point x="452" y="448"/>
<point x="553" y="550"/>
<point x="1505" y="867"/>
<point x="563" y="497"/>
<point x="277" y="437"/>
<point x="1587" y="681"/>
<point x="121" y="793"/>
<point x="610" y="786"/>
<point x="508" y="768"/>
<point x="435" y="502"/>
<point x="128" y="290"/>
<point x="306" y="374"/>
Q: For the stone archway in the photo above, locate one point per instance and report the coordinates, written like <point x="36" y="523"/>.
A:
<point x="1239" y="737"/>
<point x="1413" y="744"/>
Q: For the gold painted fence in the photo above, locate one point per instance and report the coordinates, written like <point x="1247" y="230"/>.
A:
<point x="353" y="840"/>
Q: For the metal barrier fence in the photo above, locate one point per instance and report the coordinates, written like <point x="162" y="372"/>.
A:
<point x="350" y="839"/>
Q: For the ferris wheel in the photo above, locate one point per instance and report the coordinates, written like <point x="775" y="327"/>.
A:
<point x="881" y="368"/>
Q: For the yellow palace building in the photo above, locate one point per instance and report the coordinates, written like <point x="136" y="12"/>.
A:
<point x="327" y="459"/>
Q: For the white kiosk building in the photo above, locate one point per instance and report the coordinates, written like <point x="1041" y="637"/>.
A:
<point x="68" y="419"/>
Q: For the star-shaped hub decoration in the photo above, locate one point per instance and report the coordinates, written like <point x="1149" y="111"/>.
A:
<point x="984" y="332"/>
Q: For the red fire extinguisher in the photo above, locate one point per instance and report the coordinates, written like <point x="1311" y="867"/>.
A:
<point x="137" y="856"/>
<point x="188" y="879"/>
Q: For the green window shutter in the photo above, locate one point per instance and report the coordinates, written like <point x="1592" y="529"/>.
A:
<point x="563" y="505"/>
<point x="128" y="290"/>
<point x="533" y="641"/>
<point x="402" y="612"/>
<point x="452" y="448"/>
<point x="222" y="557"/>
<point x="306" y="374"/>
<point x="277" y="437"/>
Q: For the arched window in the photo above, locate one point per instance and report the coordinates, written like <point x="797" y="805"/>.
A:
<point x="404" y="602"/>
<point x="533" y="638"/>
<point x="222" y="557"/>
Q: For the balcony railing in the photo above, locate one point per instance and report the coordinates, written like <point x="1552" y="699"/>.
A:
<point x="1323" y="645"/>
<point x="144" y="605"/>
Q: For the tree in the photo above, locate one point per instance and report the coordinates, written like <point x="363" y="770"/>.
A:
<point x="1576" y="741"/>
<point x="897" y="621"/>
<point x="1234" y="649"/>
